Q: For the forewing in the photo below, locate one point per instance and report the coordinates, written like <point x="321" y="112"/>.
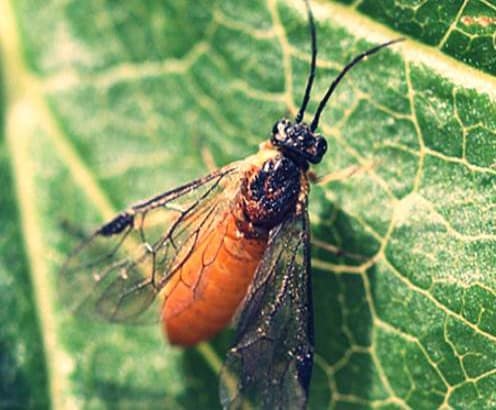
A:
<point x="270" y="363"/>
<point x="118" y="271"/>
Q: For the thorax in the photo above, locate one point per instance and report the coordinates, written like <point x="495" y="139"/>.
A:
<point x="272" y="187"/>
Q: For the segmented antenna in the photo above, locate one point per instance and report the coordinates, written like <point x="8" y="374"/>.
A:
<point x="356" y="60"/>
<point x="311" y="75"/>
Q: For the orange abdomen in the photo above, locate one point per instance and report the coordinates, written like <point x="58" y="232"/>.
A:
<point x="203" y="295"/>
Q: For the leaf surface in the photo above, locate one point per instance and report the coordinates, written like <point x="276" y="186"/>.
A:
<point x="104" y="103"/>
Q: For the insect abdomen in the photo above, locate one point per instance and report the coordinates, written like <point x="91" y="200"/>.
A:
<point x="204" y="294"/>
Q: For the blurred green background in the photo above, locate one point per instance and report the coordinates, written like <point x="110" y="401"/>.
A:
<point x="106" y="102"/>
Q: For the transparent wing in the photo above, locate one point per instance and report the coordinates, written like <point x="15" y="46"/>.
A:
<point x="270" y="363"/>
<point x="118" y="271"/>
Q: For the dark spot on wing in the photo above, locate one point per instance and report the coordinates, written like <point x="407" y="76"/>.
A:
<point x="117" y="225"/>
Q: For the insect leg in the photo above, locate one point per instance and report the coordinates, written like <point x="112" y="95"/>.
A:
<point x="341" y="174"/>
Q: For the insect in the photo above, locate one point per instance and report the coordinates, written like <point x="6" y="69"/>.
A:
<point x="234" y="243"/>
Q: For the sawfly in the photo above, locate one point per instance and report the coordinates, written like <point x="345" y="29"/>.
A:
<point x="232" y="244"/>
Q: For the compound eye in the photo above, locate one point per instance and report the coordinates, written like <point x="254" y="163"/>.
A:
<point x="319" y="149"/>
<point x="279" y="131"/>
<point x="321" y="146"/>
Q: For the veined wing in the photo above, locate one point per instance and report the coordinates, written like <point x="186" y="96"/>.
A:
<point x="118" y="271"/>
<point x="270" y="363"/>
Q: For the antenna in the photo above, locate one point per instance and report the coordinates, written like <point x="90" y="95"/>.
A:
<point x="347" y="67"/>
<point x="311" y="75"/>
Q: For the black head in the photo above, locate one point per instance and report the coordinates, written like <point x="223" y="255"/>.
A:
<point x="298" y="141"/>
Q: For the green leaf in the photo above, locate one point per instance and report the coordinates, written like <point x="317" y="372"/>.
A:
<point x="463" y="29"/>
<point x="105" y="103"/>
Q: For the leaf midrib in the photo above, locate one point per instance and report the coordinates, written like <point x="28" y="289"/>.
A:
<point x="412" y="51"/>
